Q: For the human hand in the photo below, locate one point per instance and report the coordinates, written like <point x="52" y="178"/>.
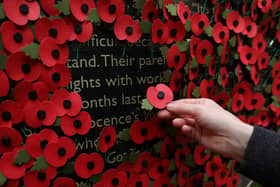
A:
<point x="204" y="120"/>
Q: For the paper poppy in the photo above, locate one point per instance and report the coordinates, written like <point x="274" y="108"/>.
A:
<point x="225" y="54"/>
<point x="181" y="155"/>
<point x="77" y="30"/>
<point x="39" y="178"/>
<point x="209" y="184"/>
<point x="87" y="165"/>
<point x="277" y="117"/>
<point x="10" y="170"/>
<point x="255" y="75"/>
<point x="265" y="5"/>
<point x="167" y="147"/>
<point x="127" y="167"/>
<point x="203" y="49"/>
<point x="276" y="70"/>
<point x="193" y="71"/>
<point x="19" y="66"/>
<point x="248" y="55"/>
<point x="143" y="163"/>
<point x="254" y="101"/>
<point x="10" y="113"/>
<point x="5" y="85"/>
<point x="56" y="154"/>
<point x="55" y="29"/>
<point x="218" y="16"/>
<point x="141" y="131"/>
<point x="162" y="182"/>
<point x="222" y="99"/>
<point x="242" y="88"/>
<point x="81" y="8"/>
<point x="114" y="178"/>
<point x="235" y="22"/>
<point x="109" y="10"/>
<point x="263" y="61"/>
<point x="233" y="180"/>
<point x="51" y="53"/>
<point x="30" y="92"/>
<point x="175" y="58"/>
<point x="107" y="138"/>
<point x="250" y="27"/>
<point x="176" y="81"/>
<point x="183" y="174"/>
<point x="221" y="177"/>
<point x="21" y="11"/>
<point x="126" y="28"/>
<point x="190" y="89"/>
<point x="48" y="7"/>
<point x="212" y="67"/>
<point x="14" y="38"/>
<point x="238" y="103"/>
<point x="161" y="126"/>
<point x="176" y="31"/>
<point x="183" y="12"/>
<point x="213" y="166"/>
<point x="137" y="180"/>
<point x="259" y="43"/>
<point x="64" y="181"/>
<point x="67" y="103"/>
<point x="10" y="138"/>
<point x="193" y="45"/>
<point x="11" y="183"/>
<point x="224" y="76"/>
<point x="159" y="32"/>
<point x="56" y="77"/>
<point x="220" y="33"/>
<point x="149" y="11"/>
<point x="198" y="23"/>
<point x="79" y="124"/>
<point x="182" y="138"/>
<point x="166" y="14"/>
<point x="264" y="25"/>
<point x="159" y="96"/>
<point x="159" y="168"/>
<point x="263" y="119"/>
<point x="276" y="86"/>
<point x="36" y="143"/>
<point x="206" y="88"/>
<point x="37" y="114"/>
<point x="200" y="156"/>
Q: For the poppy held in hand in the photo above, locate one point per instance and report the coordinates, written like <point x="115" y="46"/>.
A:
<point x="220" y="33"/>
<point x="107" y="138"/>
<point x="10" y="113"/>
<point x="109" y="10"/>
<point x="149" y="12"/>
<point x="5" y="85"/>
<point x="9" y="139"/>
<point x="183" y="12"/>
<point x="87" y="165"/>
<point x="81" y="8"/>
<point x="159" y="32"/>
<point x="175" y="58"/>
<point x="141" y="131"/>
<point x="159" y="96"/>
<point x="235" y="22"/>
<point x="39" y="178"/>
<point x="203" y="49"/>
<point x="64" y="181"/>
<point x="198" y="23"/>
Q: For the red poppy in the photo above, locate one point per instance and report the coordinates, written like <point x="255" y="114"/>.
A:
<point x="224" y="76"/>
<point x="67" y="103"/>
<point x="21" y="11"/>
<point x="161" y="126"/>
<point x="206" y="88"/>
<point x="183" y="174"/>
<point x="276" y="70"/>
<point x="209" y="184"/>
<point x="40" y="113"/>
<point x="254" y="101"/>
<point x="13" y="37"/>
<point x="278" y="35"/>
<point x="159" y="96"/>
<point x="149" y="11"/>
<point x="48" y="7"/>
<point x="238" y="102"/>
<point x="109" y="10"/>
<point x="264" y="25"/>
<point x="107" y="138"/>
<point x="11" y="113"/>
<point x="235" y="22"/>
<point x="166" y="14"/>
<point x="55" y="29"/>
<point x="114" y="178"/>
<point x="167" y="147"/>
<point x="220" y="33"/>
<point x="225" y="54"/>
<point x="255" y="75"/>
<point x="183" y="12"/>
<point x="56" y="154"/>
<point x="218" y="13"/>
<point x="276" y="86"/>
<point x="141" y="131"/>
<point x="190" y="89"/>
<point x="77" y="30"/>
<point x="143" y="163"/>
<point x="137" y="180"/>
<point x="203" y="49"/>
<point x="250" y="27"/>
<point x="176" y="30"/>
<point x="233" y="180"/>
<point x="64" y="181"/>
<point x="5" y="85"/>
<point x="181" y="155"/>
<point x="36" y="143"/>
<point x="175" y="59"/>
<point x="200" y="156"/>
<point x="262" y="118"/>
<point x="265" y="5"/>
<point x="11" y="183"/>
<point x="212" y="67"/>
<point x="277" y="116"/>
<point x="159" y="32"/>
<point x="162" y="182"/>
<point x="159" y="168"/>
<point x="222" y="99"/>
<point x="195" y="181"/>
<point x="30" y="92"/>
<point x="126" y="28"/>
<point x="10" y="138"/>
<point x="263" y="61"/>
<point x="198" y="23"/>
<point x="213" y="166"/>
<point x="182" y="138"/>
<point x="81" y="8"/>
<point x="10" y="170"/>
<point x="127" y="167"/>
<point x="254" y="13"/>
<point x="259" y="43"/>
<point x="87" y="165"/>
<point x="193" y="45"/>
<point x="19" y="66"/>
<point x="176" y="81"/>
<point x="51" y="53"/>
<point x="242" y="88"/>
<point x="248" y="55"/>
<point x="39" y="178"/>
<point x="239" y="72"/>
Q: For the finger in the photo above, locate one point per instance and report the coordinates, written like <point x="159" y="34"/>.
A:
<point x="189" y="101"/>
<point x="164" y="114"/>
<point x="179" y="122"/>
<point x="191" y="132"/>
<point x="189" y="121"/>
<point x="181" y="108"/>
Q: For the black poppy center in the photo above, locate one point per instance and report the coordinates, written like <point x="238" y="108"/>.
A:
<point x="182" y="157"/>
<point x="32" y="95"/>
<point x="214" y="166"/>
<point x="107" y="138"/>
<point x="223" y="174"/>
<point x="176" y="59"/>
<point x="249" y="56"/>
<point x="186" y="14"/>
<point x="185" y="175"/>
<point x="164" y="185"/>
<point x="112" y="9"/>
<point x="18" y="37"/>
<point x="177" y="82"/>
<point x="90" y="165"/>
<point x="249" y="28"/>
<point x="139" y="184"/>
<point x="160" y="95"/>
<point x="129" y="30"/>
<point x="222" y="34"/>
<point x="151" y="15"/>
<point x="41" y="114"/>
<point x="241" y="90"/>
<point x="144" y="132"/>
<point x="53" y="32"/>
<point x="260" y="44"/>
<point x="238" y="103"/>
<point x="55" y="53"/>
<point x="84" y="8"/>
<point x="235" y="23"/>
<point x="234" y="181"/>
<point x="208" y="89"/>
<point x="115" y="181"/>
<point x="173" y="32"/>
<point x="263" y="117"/>
<point x="26" y="68"/>
<point x="160" y="169"/>
<point x="67" y="104"/>
<point x="6" y="116"/>
<point x="24" y="9"/>
<point x="254" y="101"/>
<point x="159" y="33"/>
<point x="163" y="124"/>
<point x="201" y="24"/>
<point x="77" y="124"/>
<point x="44" y="143"/>
<point x="56" y="77"/>
<point x="263" y="60"/>
<point x="278" y="86"/>
<point x="78" y="28"/>
<point x="41" y="176"/>
<point x="61" y="151"/>
<point x="220" y="102"/>
<point x="203" y="52"/>
<point x="6" y="141"/>
<point x="194" y="48"/>
<point x="145" y="164"/>
<point x="224" y="77"/>
<point x="264" y="3"/>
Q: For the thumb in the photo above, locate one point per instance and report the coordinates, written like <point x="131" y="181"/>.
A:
<point x="181" y="108"/>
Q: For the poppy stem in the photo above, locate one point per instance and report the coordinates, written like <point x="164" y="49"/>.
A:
<point x="23" y="132"/>
<point x="77" y="53"/>
<point x="266" y="79"/>
<point x="204" y="6"/>
<point x="152" y="51"/>
<point x="123" y="53"/>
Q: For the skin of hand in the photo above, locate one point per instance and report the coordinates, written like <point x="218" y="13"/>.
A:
<point x="207" y="122"/>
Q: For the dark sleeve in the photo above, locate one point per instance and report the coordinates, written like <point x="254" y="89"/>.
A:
<point x="261" y="161"/>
